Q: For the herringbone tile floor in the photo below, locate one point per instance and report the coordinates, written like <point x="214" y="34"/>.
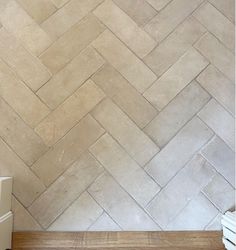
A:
<point x="117" y="115"/>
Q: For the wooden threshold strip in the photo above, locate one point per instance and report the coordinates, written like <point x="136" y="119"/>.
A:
<point x="203" y="240"/>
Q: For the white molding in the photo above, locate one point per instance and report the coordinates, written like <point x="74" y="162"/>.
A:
<point x="229" y="230"/>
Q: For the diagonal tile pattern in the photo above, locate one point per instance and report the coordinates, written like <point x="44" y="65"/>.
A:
<point x="118" y="114"/>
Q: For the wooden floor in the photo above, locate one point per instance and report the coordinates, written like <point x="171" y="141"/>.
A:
<point x="118" y="240"/>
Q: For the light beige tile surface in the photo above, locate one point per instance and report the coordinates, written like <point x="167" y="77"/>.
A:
<point x="59" y="3"/>
<point x="158" y="4"/>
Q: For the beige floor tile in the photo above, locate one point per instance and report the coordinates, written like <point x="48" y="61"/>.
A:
<point x="39" y="10"/>
<point x="133" y="140"/>
<point x="52" y="164"/>
<point x="179" y="111"/>
<point x="179" y="151"/>
<point x="217" y="54"/>
<point x="219" y="120"/>
<point x="65" y="190"/>
<point x="31" y="109"/>
<point x="174" y="46"/>
<point x="124" y="95"/>
<point x="12" y="165"/>
<point x="217" y="24"/>
<point x="78" y="216"/>
<point x="121" y="206"/>
<point x="70" y="112"/>
<point x="220" y="87"/>
<point x="158" y="4"/>
<point x="183" y="188"/>
<point x="60" y="3"/>
<point x="119" y="164"/>
<point x="71" y="43"/>
<point x="132" y="68"/>
<point x="222" y="158"/>
<point x="21" y="138"/>
<point x="169" y="18"/>
<point x="67" y="16"/>
<point x="221" y="193"/>
<point x="115" y="19"/>
<point x="139" y="10"/>
<point x="175" y="79"/>
<point x="28" y="67"/>
<point x="16" y="20"/>
<point x="66" y="81"/>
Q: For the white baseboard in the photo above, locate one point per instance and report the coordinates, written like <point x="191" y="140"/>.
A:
<point x="6" y="222"/>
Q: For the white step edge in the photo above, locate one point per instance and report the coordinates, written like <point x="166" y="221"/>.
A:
<point x="6" y="222"/>
<point x="229" y="230"/>
<point x="5" y="195"/>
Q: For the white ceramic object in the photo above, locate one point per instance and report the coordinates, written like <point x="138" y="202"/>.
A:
<point x="229" y="230"/>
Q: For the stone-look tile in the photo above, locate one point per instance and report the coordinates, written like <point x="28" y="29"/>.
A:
<point x="52" y="164"/>
<point x="71" y="43"/>
<point x="119" y="164"/>
<point x="16" y="20"/>
<point x="39" y="10"/>
<point x="175" y="79"/>
<point x="21" y="98"/>
<point x="121" y="207"/>
<point x="23" y="220"/>
<point x="20" y="137"/>
<point x="67" y="16"/>
<point x="70" y="112"/>
<point x="179" y="111"/>
<point x="66" y="81"/>
<point x="59" y="3"/>
<point x="123" y="60"/>
<point x="28" y="67"/>
<point x="216" y="23"/>
<point x="104" y="223"/>
<point x="169" y="18"/>
<point x="215" y="224"/>
<point x="195" y="216"/>
<point x="124" y="95"/>
<point x="158" y="4"/>
<point x="184" y="187"/>
<point x="221" y="157"/>
<point x="79" y="216"/>
<point x="220" y="87"/>
<point x="221" y="193"/>
<point x="139" y="10"/>
<point x="132" y="139"/>
<point x="12" y="165"/>
<point x="65" y="190"/>
<point x="179" y="151"/>
<point x="217" y="54"/>
<point x="115" y="19"/>
<point x="219" y="120"/>
<point x="173" y="47"/>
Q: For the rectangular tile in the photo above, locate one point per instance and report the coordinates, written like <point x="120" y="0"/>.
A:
<point x="169" y="18"/>
<point x="134" y="141"/>
<point x="124" y="169"/>
<point x="28" y="67"/>
<point x="20" y="137"/>
<point x="219" y="120"/>
<point x="220" y="87"/>
<point x="217" y="24"/>
<point x="158" y="4"/>
<point x="66" y="81"/>
<point x="132" y="68"/>
<point x="67" y="16"/>
<point x="30" y="108"/>
<point x="59" y="3"/>
<point x="124" y="95"/>
<point x="52" y="164"/>
<point x="174" y="46"/>
<point x="179" y="151"/>
<point x="79" y="215"/>
<point x="62" y="119"/>
<point x="71" y="43"/>
<point x="12" y="165"/>
<point x="217" y="54"/>
<point x="178" y="112"/>
<point x="215" y="224"/>
<point x="186" y="185"/>
<point x="120" y="206"/>
<point x="175" y="79"/>
<point x="115" y="19"/>
<point x="16" y="20"/>
<point x="72" y="183"/>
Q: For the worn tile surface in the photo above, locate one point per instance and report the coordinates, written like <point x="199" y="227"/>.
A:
<point x="114" y="112"/>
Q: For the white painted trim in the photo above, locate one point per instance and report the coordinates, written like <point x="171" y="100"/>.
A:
<point x="229" y="230"/>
